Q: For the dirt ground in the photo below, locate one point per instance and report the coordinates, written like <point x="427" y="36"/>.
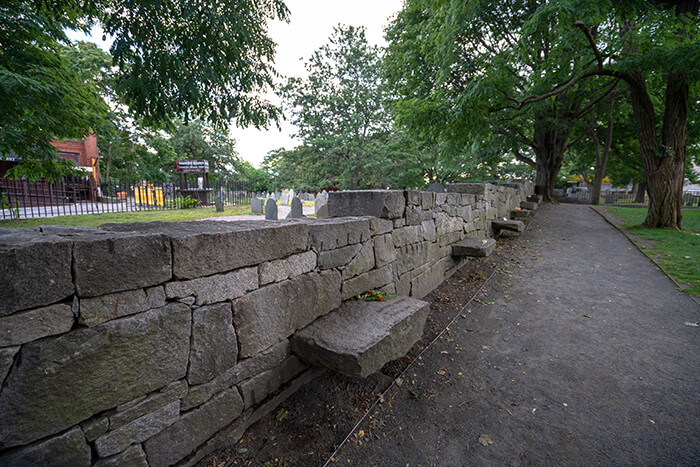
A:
<point x="309" y="426"/>
<point x="577" y="350"/>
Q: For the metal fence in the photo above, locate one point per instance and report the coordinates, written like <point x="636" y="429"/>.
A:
<point x="622" y="198"/>
<point x="21" y="199"/>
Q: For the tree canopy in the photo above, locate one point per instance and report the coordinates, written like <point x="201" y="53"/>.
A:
<point x="526" y="73"/>
<point x="174" y="59"/>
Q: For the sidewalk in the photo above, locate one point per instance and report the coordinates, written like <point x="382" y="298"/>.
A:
<point x="577" y="354"/>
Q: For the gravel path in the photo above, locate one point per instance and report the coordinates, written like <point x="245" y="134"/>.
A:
<point x="580" y="352"/>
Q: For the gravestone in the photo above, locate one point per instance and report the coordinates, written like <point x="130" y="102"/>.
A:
<point x="297" y="210"/>
<point x="219" y="204"/>
<point x="271" y="210"/>
<point x="321" y="206"/>
<point x="256" y="206"/>
<point x="436" y="187"/>
<point x="325" y="193"/>
<point x="284" y="198"/>
<point x="276" y="195"/>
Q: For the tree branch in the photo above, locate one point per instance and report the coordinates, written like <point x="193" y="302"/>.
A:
<point x="525" y="159"/>
<point x="582" y="26"/>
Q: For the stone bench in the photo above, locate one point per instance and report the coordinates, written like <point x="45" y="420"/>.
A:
<point x="502" y="224"/>
<point x="359" y="337"/>
<point x="479" y="247"/>
<point x="531" y="205"/>
<point x="520" y="213"/>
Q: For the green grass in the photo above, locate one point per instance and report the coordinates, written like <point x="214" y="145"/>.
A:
<point x="678" y="253"/>
<point x="93" y="220"/>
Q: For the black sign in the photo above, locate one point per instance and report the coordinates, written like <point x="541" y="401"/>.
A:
<point x="192" y="167"/>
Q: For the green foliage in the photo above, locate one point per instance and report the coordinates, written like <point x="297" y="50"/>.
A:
<point x="198" y="141"/>
<point x="339" y="110"/>
<point x="196" y="58"/>
<point x="185" y="202"/>
<point x="174" y="58"/>
<point x="41" y="96"/>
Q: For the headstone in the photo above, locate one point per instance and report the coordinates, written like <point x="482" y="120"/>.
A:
<point x="436" y="187"/>
<point x="219" y="204"/>
<point x="321" y="206"/>
<point x="297" y="209"/>
<point x="271" y="210"/>
<point x="310" y="197"/>
<point x="256" y="206"/>
<point x="325" y="193"/>
<point x="284" y="198"/>
<point x="276" y="195"/>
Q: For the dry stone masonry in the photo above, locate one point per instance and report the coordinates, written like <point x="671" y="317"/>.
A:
<point x="156" y="343"/>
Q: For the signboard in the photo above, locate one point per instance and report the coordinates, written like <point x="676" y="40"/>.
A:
<point x="192" y="167"/>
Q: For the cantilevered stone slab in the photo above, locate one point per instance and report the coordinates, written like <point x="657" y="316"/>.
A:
<point x="531" y="205"/>
<point x="514" y="226"/>
<point x="358" y="338"/>
<point x="502" y="224"/>
<point x="479" y="247"/>
<point x="520" y="213"/>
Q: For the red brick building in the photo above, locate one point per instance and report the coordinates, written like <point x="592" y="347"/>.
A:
<point x="82" y="152"/>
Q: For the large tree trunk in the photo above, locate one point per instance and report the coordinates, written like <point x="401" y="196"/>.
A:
<point x="640" y="193"/>
<point x="549" y="143"/>
<point x="664" y="163"/>
<point x="601" y="157"/>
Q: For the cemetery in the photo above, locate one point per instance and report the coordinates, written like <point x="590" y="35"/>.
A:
<point x="208" y="319"/>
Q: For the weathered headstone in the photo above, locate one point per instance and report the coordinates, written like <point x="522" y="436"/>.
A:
<point x="436" y="187"/>
<point x="276" y="195"/>
<point x="284" y="198"/>
<point x="271" y="210"/>
<point x="321" y="206"/>
<point x="256" y="206"/>
<point x="219" y="204"/>
<point x="297" y="210"/>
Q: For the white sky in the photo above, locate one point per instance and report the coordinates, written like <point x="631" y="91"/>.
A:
<point x="311" y="23"/>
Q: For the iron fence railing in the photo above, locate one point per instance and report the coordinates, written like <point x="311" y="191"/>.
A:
<point x="21" y="199"/>
<point x="621" y="198"/>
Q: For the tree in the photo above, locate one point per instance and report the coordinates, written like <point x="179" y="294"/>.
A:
<point x="175" y="58"/>
<point x="41" y="97"/>
<point x="459" y="69"/>
<point x="339" y="110"/>
<point x="199" y="141"/>
<point x="640" y="42"/>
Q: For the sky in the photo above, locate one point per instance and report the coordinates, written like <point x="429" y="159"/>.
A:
<point x="311" y="24"/>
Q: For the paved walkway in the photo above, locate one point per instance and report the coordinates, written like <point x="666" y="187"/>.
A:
<point x="578" y="355"/>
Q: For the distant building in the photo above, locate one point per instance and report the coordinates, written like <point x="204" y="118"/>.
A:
<point x="82" y="152"/>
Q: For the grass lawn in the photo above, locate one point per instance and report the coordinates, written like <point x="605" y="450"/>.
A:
<point x="678" y="253"/>
<point x="93" y="220"/>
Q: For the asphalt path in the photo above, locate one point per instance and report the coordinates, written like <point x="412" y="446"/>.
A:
<point x="579" y="351"/>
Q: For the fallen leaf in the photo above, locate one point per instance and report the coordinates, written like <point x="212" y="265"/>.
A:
<point x="694" y="325"/>
<point x="587" y="315"/>
<point x="242" y="451"/>
<point x="441" y="372"/>
<point x="398" y="382"/>
<point x="485" y="440"/>
<point x="565" y="404"/>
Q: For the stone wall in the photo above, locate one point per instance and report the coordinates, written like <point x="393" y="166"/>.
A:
<point x="156" y="343"/>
